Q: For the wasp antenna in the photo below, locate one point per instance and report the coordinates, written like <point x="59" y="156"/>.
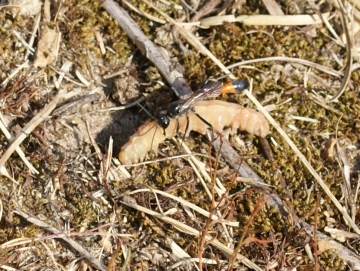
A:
<point x="185" y="132"/>
<point x="152" y="140"/>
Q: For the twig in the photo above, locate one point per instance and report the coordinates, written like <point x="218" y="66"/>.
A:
<point x="95" y="262"/>
<point x="148" y="48"/>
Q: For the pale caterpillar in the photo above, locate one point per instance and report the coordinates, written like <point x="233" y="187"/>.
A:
<point x="219" y="114"/>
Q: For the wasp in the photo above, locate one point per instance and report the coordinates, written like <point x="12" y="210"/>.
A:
<point x="182" y="106"/>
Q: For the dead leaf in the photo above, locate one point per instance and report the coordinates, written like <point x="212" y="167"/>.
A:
<point x="47" y="47"/>
<point x="324" y="245"/>
<point x="25" y="7"/>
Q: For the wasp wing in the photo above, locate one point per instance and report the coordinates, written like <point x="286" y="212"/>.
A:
<point x="211" y="89"/>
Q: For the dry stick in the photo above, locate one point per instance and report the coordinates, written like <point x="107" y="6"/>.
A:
<point x="95" y="262"/>
<point x="191" y="38"/>
<point x="275" y="201"/>
<point x="148" y="48"/>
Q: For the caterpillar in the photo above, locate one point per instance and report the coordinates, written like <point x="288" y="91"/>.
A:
<point x="219" y="114"/>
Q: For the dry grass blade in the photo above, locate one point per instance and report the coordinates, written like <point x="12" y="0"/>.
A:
<point x="95" y="262"/>
<point x="216" y="186"/>
<point x="349" y="62"/>
<point x="17" y="149"/>
<point x="356" y="3"/>
<point x="33" y="34"/>
<point x="284" y="20"/>
<point x="178" y="251"/>
<point x="119" y="171"/>
<point x="189" y="230"/>
<point x="272" y="7"/>
<point x="196" y="260"/>
<point x="20" y="67"/>
<point x="189" y="205"/>
<point x="289" y="60"/>
<point x="27" y="46"/>
<point x="200" y="167"/>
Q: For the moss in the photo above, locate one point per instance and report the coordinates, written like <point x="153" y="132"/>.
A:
<point x="230" y="43"/>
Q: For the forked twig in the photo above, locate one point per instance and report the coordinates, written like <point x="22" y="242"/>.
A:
<point x="148" y="48"/>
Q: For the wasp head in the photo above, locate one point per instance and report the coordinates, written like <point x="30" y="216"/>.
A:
<point x="162" y="120"/>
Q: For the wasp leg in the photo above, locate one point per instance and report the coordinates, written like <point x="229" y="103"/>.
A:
<point x="206" y="122"/>
<point x="185" y="132"/>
